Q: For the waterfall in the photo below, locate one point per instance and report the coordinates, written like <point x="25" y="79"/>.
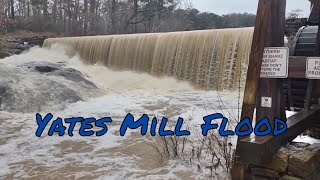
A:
<point x="209" y="59"/>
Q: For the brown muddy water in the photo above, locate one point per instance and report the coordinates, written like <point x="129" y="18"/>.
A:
<point x="25" y="156"/>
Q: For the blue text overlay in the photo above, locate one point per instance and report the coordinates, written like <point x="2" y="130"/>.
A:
<point x="98" y="127"/>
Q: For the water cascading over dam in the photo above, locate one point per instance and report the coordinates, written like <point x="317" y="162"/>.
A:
<point x="209" y="59"/>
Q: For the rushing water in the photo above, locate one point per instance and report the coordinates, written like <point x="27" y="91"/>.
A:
<point x="210" y="59"/>
<point x="23" y="155"/>
<point x="206" y="59"/>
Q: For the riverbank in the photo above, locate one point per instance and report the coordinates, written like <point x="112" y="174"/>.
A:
<point x="11" y="44"/>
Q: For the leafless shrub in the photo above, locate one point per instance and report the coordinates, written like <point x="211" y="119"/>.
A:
<point x="198" y="151"/>
<point x="211" y="152"/>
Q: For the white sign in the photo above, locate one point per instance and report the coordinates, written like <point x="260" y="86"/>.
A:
<point x="275" y="62"/>
<point x="313" y="68"/>
<point x="266" y="102"/>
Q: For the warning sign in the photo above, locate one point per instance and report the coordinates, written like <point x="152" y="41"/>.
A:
<point x="266" y="102"/>
<point x="275" y="62"/>
<point x="313" y="68"/>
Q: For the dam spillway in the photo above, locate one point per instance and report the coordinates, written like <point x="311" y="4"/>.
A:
<point x="209" y="59"/>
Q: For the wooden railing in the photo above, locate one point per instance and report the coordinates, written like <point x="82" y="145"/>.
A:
<point x="261" y="149"/>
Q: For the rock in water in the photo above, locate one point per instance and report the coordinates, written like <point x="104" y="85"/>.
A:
<point x="4" y="54"/>
<point x="42" y="67"/>
<point x="38" y="90"/>
<point x="3" y="88"/>
<point x="57" y="69"/>
<point x="38" y="96"/>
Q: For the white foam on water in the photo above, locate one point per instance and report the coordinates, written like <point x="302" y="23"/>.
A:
<point x="22" y="145"/>
<point x="23" y="155"/>
<point x="102" y="76"/>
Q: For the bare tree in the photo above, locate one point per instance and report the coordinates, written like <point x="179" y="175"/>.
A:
<point x="12" y="9"/>
<point x="113" y="16"/>
<point x="91" y="17"/>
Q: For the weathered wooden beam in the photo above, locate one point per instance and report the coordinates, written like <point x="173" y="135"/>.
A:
<point x="311" y="81"/>
<point x="297" y="67"/>
<point x="289" y="90"/>
<point x="307" y="102"/>
<point x="317" y="49"/>
<point x="261" y="149"/>
<point x="316" y="83"/>
<point x="253" y="75"/>
<point x="314" y="15"/>
<point x="271" y="87"/>
<point x="315" y="2"/>
<point x="255" y="59"/>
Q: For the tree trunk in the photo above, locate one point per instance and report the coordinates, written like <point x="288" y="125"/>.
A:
<point x="61" y="17"/>
<point x="92" y="14"/>
<point x="85" y="24"/>
<point x="45" y="8"/>
<point x="113" y="17"/>
<point x="12" y="8"/>
<point x="135" y="7"/>
<point x="28" y="8"/>
<point x="54" y="11"/>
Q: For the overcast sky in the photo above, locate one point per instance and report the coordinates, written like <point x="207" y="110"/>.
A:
<point x="228" y="6"/>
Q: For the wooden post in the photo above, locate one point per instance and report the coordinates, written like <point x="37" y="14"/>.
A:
<point x="316" y="83"/>
<point x="315" y="2"/>
<point x="273" y="87"/>
<point x="317" y="50"/>
<point x="310" y="88"/>
<point x="255" y="60"/>
<point x="253" y="74"/>
<point x="312" y="83"/>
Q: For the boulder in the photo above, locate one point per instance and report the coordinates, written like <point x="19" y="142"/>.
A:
<point x="279" y="163"/>
<point x="57" y="69"/>
<point x="259" y="178"/>
<point x="3" y="89"/>
<point x="42" y="67"/>
<point x="36" y="96"/>
<point x="23" y="90"/>
<point x="4" y="54"/>
<point x="263" y="172"/>
<point x="72" y="75"/>
<point x="13" y="51"/>
<point x="286" y="177"/>
<point x="305" y="163"/>
<point x="294" y="162"/>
